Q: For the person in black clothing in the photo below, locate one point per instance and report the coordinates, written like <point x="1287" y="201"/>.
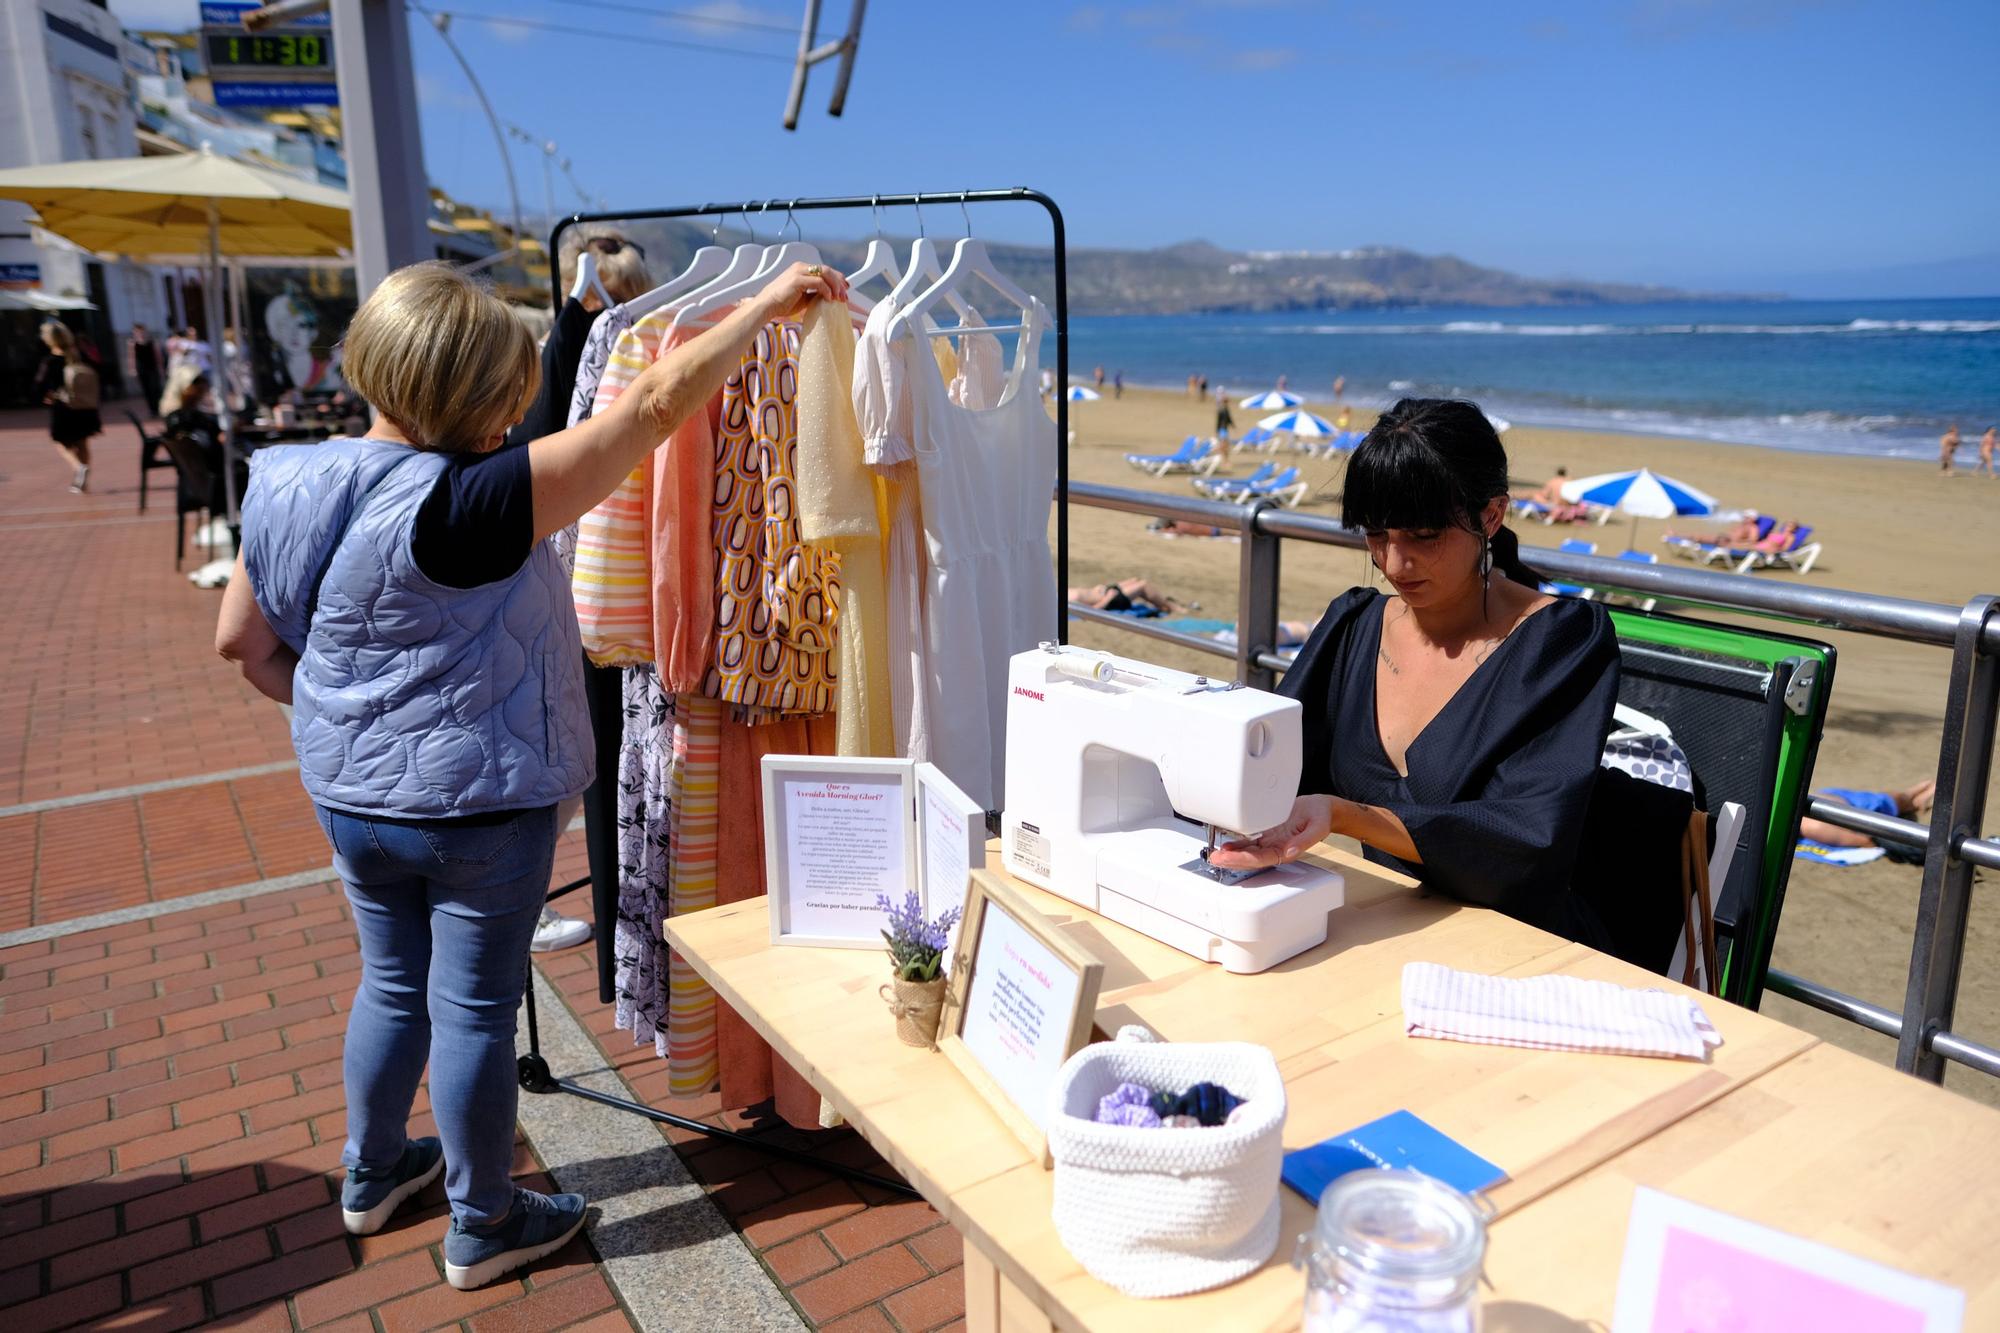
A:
<point x="144" y="354"/>
<point x="1454" y="725"/>
<point x="1224" y="422"/>
<point x="67" y="383"/>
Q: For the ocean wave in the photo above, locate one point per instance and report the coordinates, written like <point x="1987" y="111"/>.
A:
<point x="1497" y="328"/>
<point x="1925" y="325"/>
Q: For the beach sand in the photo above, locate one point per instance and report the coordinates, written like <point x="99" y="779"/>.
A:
<point x="1889" y="526"/>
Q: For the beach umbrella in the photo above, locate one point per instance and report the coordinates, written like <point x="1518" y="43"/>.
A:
<point x="1642" y="494"/>
<point x="1079" y="394"/>
<point x="1271" y="400"/>
<point x="1299" y="424"/>
<point x="186" y="204"/>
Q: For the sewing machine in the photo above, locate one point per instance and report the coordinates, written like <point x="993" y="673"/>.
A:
<point x="1122" y="775"/>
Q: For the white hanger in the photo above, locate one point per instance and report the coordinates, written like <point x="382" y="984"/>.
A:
<point x="926" y="267"/>
<point x="726" y="289"/>
<point x="879" y="262"/>
<point x="708" y="263"/>
<point x="968" y="259"/>
<point x="587" y="280"/>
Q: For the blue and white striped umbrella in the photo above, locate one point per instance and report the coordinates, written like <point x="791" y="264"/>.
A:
<point x="1302" y="425"/>
<point x="1271" y="400"/>
<point x="1643" y="494"/>
<point x="1079" y="394"/>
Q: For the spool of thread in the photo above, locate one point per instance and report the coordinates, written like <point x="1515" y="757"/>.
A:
<point x="1078" y="666"/>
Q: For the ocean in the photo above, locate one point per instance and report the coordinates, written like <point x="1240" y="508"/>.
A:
<point x="1852" y="377"/>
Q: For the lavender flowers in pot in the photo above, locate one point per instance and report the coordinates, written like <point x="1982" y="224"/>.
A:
<point x="916" y="955"/>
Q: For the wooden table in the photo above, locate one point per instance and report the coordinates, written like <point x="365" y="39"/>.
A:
<point x="1566" y="1127"/>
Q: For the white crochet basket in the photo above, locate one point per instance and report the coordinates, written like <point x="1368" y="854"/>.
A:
<point x="1163" y="1212"/>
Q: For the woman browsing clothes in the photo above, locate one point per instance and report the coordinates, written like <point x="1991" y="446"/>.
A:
<point x="1453" y="725"/>
<point x="401" y="593"/>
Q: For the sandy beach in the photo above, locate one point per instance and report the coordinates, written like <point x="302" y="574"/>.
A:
<point x="1889" y="526"/>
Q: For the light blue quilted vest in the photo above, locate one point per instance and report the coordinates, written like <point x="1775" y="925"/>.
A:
<point x="411" y="700"/>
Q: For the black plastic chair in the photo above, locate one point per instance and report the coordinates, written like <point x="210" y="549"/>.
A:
<point x="196" y="492"/>
<point x="152" y="454"/>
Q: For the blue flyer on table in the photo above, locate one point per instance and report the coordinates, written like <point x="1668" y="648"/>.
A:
<point x="1397" y="1139"/>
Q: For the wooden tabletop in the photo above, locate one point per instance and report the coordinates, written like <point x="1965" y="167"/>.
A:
<point x="1828" y="1146"/>
<point x="1332" y="1017"/>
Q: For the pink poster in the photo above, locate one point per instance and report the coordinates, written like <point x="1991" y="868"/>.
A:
<point x="1690" y="1269"/>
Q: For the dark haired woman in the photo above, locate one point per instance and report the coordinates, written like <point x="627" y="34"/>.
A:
<point x="1452" y="726"/>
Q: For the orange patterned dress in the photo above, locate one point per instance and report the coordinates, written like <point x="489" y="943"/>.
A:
<point x="777" y="596"/>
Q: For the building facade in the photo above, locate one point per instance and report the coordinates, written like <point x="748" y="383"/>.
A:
<point x="66" y="94"/>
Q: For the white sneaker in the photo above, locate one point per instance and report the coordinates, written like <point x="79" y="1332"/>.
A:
<point x="557" y="931"/>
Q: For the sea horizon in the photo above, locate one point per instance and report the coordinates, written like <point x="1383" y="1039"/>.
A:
<point x="1875" y="377"/>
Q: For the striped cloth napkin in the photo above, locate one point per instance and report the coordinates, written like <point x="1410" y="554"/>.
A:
<point x="1553" y="1013"/>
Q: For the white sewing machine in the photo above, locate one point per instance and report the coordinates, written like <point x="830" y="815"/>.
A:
<point x="1113" y="769"/>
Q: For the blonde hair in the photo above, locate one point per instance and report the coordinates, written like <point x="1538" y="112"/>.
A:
<point x="179" y="381"/>
<point x="624" y="274"/>
<point x="441" y="357"/>
<point x="58" y="339"/>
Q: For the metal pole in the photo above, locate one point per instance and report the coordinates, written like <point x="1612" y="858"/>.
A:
<point x="1257" y="600"/>
<point x="1965" y="760"/>
<point x="1060" y="243"/>
<point x="385" y="152"/>
<point x="849" y="44"/>
<point x="211" y="299"/>
<point x="442" y="22"/>
<point x="808" y="34"/>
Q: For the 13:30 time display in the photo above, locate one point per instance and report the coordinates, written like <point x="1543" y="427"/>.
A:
<point x="270" y="50"/>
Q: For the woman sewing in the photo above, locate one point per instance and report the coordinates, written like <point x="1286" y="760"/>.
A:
<point x="1452" y="726"/>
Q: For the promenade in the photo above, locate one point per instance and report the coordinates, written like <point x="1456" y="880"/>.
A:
<point x="176" y="963"/>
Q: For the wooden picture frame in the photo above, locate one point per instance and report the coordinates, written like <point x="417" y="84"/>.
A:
<point x="861" y="926"/>
<point x="997" y="915"/>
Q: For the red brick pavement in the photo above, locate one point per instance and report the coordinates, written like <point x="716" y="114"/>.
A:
<point x="170" y="1102"/>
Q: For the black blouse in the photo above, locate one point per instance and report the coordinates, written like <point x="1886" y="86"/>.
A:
<point x="1499" y="780"/>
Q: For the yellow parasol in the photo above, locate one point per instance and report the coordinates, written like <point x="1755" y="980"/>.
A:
<point x="185" y="204"/>
<point x="188" y="203"/>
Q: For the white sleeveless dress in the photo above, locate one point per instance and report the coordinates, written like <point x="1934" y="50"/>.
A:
<point x="987" y="481"/>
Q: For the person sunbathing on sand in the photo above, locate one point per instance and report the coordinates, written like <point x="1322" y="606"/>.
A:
<point x="1743" y="534"/>
<point x="1780" y="538"/>
<point x="1128" y="593"/>
<point x="1911" y="802"/>
<point x="1180" y="527"/>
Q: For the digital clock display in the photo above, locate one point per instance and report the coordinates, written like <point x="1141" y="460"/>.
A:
<point x="270" y="50"/>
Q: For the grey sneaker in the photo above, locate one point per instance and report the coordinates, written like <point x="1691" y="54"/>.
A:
<point x="556" y="931"/>
<point x="369" y="1197"/>
<point x="540" y="1224"/>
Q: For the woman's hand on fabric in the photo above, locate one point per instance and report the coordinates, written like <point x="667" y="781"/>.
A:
<point x="792" y="292"/>
<point x="1310" y="822"/>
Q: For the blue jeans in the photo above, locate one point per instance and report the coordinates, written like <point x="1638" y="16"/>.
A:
<point x="445" y="913"/>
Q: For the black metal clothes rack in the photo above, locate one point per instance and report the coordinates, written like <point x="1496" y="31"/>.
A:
<point x="603" y="687"/>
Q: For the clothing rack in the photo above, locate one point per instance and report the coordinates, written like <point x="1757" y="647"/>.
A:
<point x="602" y="685"/>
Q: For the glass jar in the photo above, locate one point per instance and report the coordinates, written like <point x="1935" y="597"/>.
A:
<point x="1393" y="1251"/>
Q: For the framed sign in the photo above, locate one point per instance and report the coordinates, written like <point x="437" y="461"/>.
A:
<point x="838" y="832"/>
<point x="1687" y="1266"/>
<point x="1021" y="1001"/>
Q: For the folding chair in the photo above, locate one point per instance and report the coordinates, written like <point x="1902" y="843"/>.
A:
<point x="1748" y="707"/>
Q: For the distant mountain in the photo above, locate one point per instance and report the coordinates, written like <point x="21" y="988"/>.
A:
<point x="1196" y="276"/>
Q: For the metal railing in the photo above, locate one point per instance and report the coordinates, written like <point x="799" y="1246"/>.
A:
<point x="1951" y="842"/>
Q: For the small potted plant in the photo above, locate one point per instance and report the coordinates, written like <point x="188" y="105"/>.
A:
<point x="916" y="957"/>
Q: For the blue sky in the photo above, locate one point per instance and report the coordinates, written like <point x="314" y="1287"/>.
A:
<point x="1737" y="143"/>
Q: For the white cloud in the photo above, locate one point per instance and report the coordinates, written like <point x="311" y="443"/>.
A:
<point x="433" y="91"/>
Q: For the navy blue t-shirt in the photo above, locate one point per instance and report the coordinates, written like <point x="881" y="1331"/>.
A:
<point x="478" y="523"/>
